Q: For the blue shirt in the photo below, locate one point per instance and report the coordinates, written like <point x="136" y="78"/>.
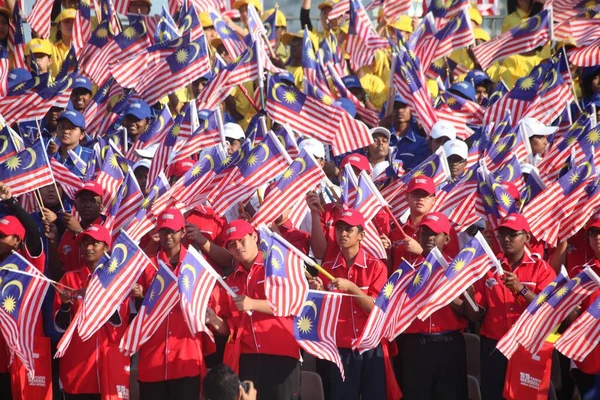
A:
<point x="83" y="152"/>
<point x="411" y="148"/>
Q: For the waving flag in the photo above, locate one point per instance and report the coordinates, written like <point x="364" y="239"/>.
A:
<point x="97" y="51"/>
<point x="40" y="17"/>
<point x="196" y="281"/>
<point x="94" y="113"/>
<point x="586" y="56"/>
<point x="469" y="265"/>
<point x="369" y="202"/>
<point x="68" y="181"/>
<point x="189" y="22"/>
<point x="587" y="204"/>
<point x="578" y="341"/>
<point x="8" y="148"/>
<point x="528" y="35"/>
<point x="362" y="40"/>
<point x="129" y="61"/>
<point x="166" y="29"/>
<point x="156" y="131"/>
<point x="234" y="45"/>
<point x="393" y="8"/>
<point x="313" y="72"/>
<point x="82" y="27"/>
<point x="205" y="136"/>
<point x="388" y="303"/>
<point x="127" y="203"/>
<point x="23" y="291"/>
<point x="16" y="36"/>
<point x="509" y="342"/>
<point x="446" y="9"/>
<point x="285" y="285"/>
<point x="110" y="178"/>
<point x="111" y="284"/>
<point x="27" y="170"/>
<point x="302" y="175"/>
<point x="455" y="193"/>
<point x="143" y="221"/>
<point x="158" y="302"/>
<point x="316" y="326"/>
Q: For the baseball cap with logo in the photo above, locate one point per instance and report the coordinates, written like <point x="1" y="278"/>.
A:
<point x="437" y="222"/>
<point x="75" y="117"/>
<point x="516" y="222"/>
<point x="424" y="183"/>
<point x="464" y="89"/>
<point x="443" y="129"/>
<point x="456" y="147"/>
<point x="17" y="76"/>
<point x="357" y="160"/>
<point x="81" y="82"/>
<point x="138" y="109"/>
<point x="352" y="217"/>
<point x="237" y="229"/>
<point x="96" y="232"/>
<point x="171" y="219"/>
<point x="180" y="168"/>
<point x="10" y="225"/>
<point x="39" y="46"/>
<point x="91" y="186"/>
<point x="533" y="127"/>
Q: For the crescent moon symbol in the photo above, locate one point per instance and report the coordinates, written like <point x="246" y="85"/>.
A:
<point x="589" y="170"/>
<point x="469" y="250"/>
<point x="511" y="169"/>
<point x="187" y="23"/>
<point x="4" y="139"/>
<point x="123" y="249"/>
<point x="274" y="91"/>
<point x="538" y="18"/>
<point x="33" y="157"/>
<point x="264" y="146"/>
<point x="14" y="283"/>
<point x="10" y="266"/>
<point x="160" y="280"/>
<point x="303" y="163"/>
<point x="196" y="47"/>
<point x="211" y="161"/>
<point x="358" y="195"/>
<point x="576" y="279"/>
<point x="278" y="250"/>
<point x="312" y="305"/>
<point x="192" y="271"/>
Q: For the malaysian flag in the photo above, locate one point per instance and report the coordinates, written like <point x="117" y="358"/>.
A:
<point x="82" y="27"/>
<point x="586" y="56"/>
<point x="27" y="170"/>
<point x="459" y="112"/>
<point x="40" y="17"/>
<point x="285" y="285"/>
<point x="508" y="344"/>
<point x="313" y="71"/>
<point x="469" y="265"/>
<point x="9" y="148"/>
<point x="528" y="35"/>
<point x="566" y="9"/>
<point x="165" y="148"/>
<point x="21" y="297"/>
<point x="587" y="204"/>
<point x="143" y="222"/>
<point x="125" y="205"/>
<point x="129" y="58"/>
<point x="196" y="281"/>
<point x="96" y="52"/>
<point x="266" y="161"/>
<point x="189" y="22"/>
<point x="4" y="64"/>
<point x="369" y="202"/>
<point x="166" y="29"/>
<point x="581" y="29"/>
<point x="110" y="178"/>
<point x="394" y="8"/>
<point x="362" y="40"/>
<point x="301" y="176"/>
<point x="316" y="326"/>
<point x="556" y="309"/>
<point x="271" y="29"/>
<point x="582" y="337"/>
<point x="445" y="9"/>
<point x="16" y="36"/>
<point x="205" y="136"/>
<point x="95" y="111"/>
<point x="234" y="45"/>
<point x="389" y="301"/>
<point x="158" y="302"/>
<point x="68" y="181"/>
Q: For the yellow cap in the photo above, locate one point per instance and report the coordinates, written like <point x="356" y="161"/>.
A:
<point x="239" y="3"/>
<point x="475" y="15"/>
<point x="327" y="3"/>
<point x="287" y="37"/>
<point x="205" y="20"/>
<point x="280" y="19"/>
<point x="344" y="27"/>
<point x="39" y="46"/>
<point x="404" y="23"/>
<point x="6" y="12"/>
<point x="69" y="13"/>
<point x="481" y="34"/>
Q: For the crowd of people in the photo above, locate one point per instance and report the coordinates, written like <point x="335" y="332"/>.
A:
<point x="67" y="229"/>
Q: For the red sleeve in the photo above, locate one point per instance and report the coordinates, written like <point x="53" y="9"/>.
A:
<point x="479" y="288"/>
<point x="545" y="276"/>
<point x="378" y="279"/>
<point x="39" y="262"/>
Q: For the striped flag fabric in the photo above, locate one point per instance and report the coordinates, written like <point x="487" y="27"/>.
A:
<point x="23" y="289"/>
<point x="161" y="296"/>
<point x="301" y="176"/>
<point x="4" y="65"/>
<point x="166" y="147"/>
<point x="205" y="136"/>
<point x="82" y="26"/>
<point x="316" y="326"/>
<point x="587" y="204"/>
<point x="389" y="301"/>
<point x="362" y="40"/>
<point x="528" y="35"/>
<point x="286" y="286"/>
<point x="40" y="17"/>
<point x="27" y="170"/>
<point x="96" y="52"/>
<point x="393" y="8"/>
<point x="110" y="178"/>
<point x="469" y="265"/>
<point x="95" y="111"/>
<point x="586" y="56"/>
<point x="369" y="202"/>
<point x="16" y="36"/>
<point x="447" y="8"/>
<point x="9" y="147"/>
<point x="195" y="281"/>
<point x="578" y="341"/>
<point x="68" y="181"/>
<point x="581" y="29"/>
<point x="125" y="205"/>
<point x="234" y="45"/>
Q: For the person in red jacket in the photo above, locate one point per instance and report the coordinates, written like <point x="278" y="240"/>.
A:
<point x="269" y="354"/>
<point x="80" y="368"/>
<point x="171" y="362"/>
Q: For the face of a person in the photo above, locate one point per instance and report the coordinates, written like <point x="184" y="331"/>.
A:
<point x="141" y="175"/>
<point x="324" y="15"/>
<point x="524" y="4"/>
<point x="457" y="165"/>
<point x="210" y="33"/>
<point x="67" y="133"/>
<point x="233" y="146"/>
<point x="139" y="7"/>
<point x="43" y="62"/>
<point x="243" y="250"/>
<point x="92" y="250"/>
<point x="8" y="244"/>
<point x="244" y="15"/>
<point x="511" y="242"/>
<point x="428" y="239"/>
<point x="538" y="144"/>
<point x="403" y="112"/>
<point x="596" y="84"/>
<point x="279" y="31"/>
<point x="481" y="93"/>
<point x="420" y="202"/>
<point x="4" y="26"/>
<point x="170" y="239"/>
<point x="66" y="28"/>
<point x="594" y="239"/>
<point x="70" y="3"/>
<point x="380" y="146"/>
<point x="224" y="54"/>
<point x="52" y="118"/>
<point x="88" y="206"/>
<point x="80" y="98"/>
<point x="347" y="236"/>
<point x="197" y="86"/>
<point x="135" y="126"/>
<point x="49" y="195"/>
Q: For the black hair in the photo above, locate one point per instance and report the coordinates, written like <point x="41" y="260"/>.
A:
<point x="586" y="84"/>
<point x="221" y="383"/>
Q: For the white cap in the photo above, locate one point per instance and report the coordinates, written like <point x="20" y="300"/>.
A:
<point x="148" y="152"/>
<point x="233" y="131"/>
<point x="443" y="129"/>
<point x="141" y="163"/>
<point x="533" y="127"/>
<point x="526" y="168"/>
<point x="380" y="130"/>
<point x="313" y="147"/>
<point x="456" y="147"/>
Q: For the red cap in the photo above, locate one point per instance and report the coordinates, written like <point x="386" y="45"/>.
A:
<point x="352" y="217"/>
<point x="237" y="229"/>
<point x="10" y="225"/>
<point x="511" y="189"/>
<point x="437" y="222"/>
<point x="91" y="186"/>
<point x="96" y="232"/>
<point x="594" y="222"/>
<point x="171" y="219"/>
<point x="421" y="183"/>
<point x="181" y="167"/>
<point x="357" y="160"/>
<point x="516" y="222"/>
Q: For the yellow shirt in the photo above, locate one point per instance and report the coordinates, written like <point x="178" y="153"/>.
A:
<point x="375" y="89"/>
<point x="59" y="53"/>
<point x="380" y="66"/>
<point x="513" y="19"/>
<point x="281" y="51"/>
<point x="298" y="75"/>
<point x="242" y="104"/>
<point x="518" y="66"/>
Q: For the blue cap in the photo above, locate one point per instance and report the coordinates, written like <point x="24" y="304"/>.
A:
<point x="348" y="106"/>
<point x="138" y="109"/>
<point x="81" y="82"/>
<point x="399" y="99"/>
<point x="465" y="89"/>
<point x="18" y="75"/>
<point x="285" y="75"/>
<point x="477" y="77"/>
<point x="589" y="71"/>
<point x="75" y="117"/>
<point x="351" y="81"/>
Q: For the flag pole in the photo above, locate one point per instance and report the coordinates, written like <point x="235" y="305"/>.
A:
<point x="62" y="206"/>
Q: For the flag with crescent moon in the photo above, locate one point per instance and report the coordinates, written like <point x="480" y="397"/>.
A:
<point x="161" y="296"/>
<point x="369" y="202"/>
<point x="22" y="291"/>
<point x="189" y="22"/>
<point x="446" y="8"/>
<point x="27" y="170"/>
<point x="124" y="207"/>
<point x="316" y="326"/>
<point x="16" y="35"/>
<point x="362" y="40"/>
<point x="82" y="26"/>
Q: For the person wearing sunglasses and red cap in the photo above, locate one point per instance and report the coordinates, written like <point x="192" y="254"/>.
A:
<point x="171" y="362"/>
<point x="82" y="363"/>
<point x="503" y="298"/>
<point x="19" y="232"/>
<point x="432" y="362"/>
<point x="269" y="354"/>
<point x="359" y="274"/>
